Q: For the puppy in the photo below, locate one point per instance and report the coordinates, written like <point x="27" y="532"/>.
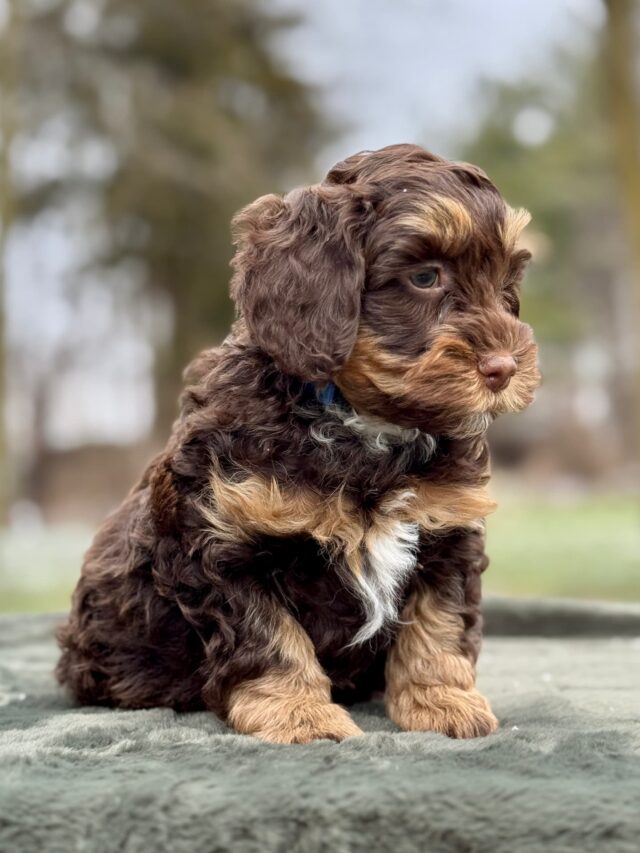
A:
<point x="313" y="532"/>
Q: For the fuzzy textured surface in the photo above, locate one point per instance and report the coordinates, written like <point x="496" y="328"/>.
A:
<point x="561" y="774"/>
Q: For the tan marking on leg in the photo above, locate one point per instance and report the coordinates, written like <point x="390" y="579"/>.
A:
<point x="430" y="683"/>
<point x="444" y="219"/>
<point x="292" y="702"/>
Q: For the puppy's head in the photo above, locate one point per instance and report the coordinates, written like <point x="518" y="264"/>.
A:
<point x="398" y="279"/>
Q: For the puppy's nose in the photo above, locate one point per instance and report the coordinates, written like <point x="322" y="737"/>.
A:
<point x="497" y="371"/>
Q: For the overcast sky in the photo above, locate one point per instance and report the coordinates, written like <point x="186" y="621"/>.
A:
<point x="411" y="70"/>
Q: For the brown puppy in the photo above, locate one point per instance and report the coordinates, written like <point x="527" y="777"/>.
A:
<point x="313" y="531"/>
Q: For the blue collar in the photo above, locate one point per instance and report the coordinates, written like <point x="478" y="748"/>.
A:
<point x="327" y="394"/>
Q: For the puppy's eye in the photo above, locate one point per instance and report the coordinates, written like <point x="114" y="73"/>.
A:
<point x="426" y="278"/>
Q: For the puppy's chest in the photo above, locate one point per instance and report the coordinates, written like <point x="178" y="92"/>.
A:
<point x="389" y="544"/>
<point x="386" y="535"/>
<point x="374" y="547"/>
<point x="387" y="560"/>
<point x="382" y="532"/>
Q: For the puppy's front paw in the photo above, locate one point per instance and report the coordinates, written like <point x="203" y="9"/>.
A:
<point x="309" y="722"/>
<point x="449" y="710"/>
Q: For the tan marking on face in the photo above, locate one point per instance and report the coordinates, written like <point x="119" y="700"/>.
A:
<point x="371" y="368"/>
<point x="445" y="377"/>
<point x="515" y="221"/>
<point x="292" y="702"/>
<point x="430" y="684"/>
<point x="445" y="219"/>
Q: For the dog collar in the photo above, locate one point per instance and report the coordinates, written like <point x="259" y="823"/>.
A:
<point x="328" y="395"/>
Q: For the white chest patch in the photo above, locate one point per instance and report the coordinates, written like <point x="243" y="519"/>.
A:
<point x="390" y="557"/>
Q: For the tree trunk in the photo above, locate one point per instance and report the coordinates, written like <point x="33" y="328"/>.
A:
<point x="621" y="42"/>
<point x="8" y="98"/>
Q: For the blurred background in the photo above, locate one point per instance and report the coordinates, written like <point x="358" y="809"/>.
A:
<point x="131" y="130"/>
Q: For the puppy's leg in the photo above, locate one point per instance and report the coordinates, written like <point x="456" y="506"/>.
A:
<point x="291" y="701"/>
<point x="430" y="670"/>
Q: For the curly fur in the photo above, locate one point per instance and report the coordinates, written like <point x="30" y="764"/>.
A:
<point x="258" y="567"/>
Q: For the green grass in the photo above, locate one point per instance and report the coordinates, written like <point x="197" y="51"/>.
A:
<point x="39" y="568"/>
<point x="588" y="548"/>
<point x="585" y="549"/>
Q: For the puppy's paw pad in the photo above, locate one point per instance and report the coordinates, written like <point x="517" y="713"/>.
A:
<point x="448" y="710"/>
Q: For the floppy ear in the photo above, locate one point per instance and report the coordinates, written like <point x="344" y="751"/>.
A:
<point x="299" y="274"/>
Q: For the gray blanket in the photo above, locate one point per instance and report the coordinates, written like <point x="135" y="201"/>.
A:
<point x="561" y="774"/>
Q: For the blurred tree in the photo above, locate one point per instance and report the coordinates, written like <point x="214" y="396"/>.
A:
<point x="144" y="124"/>
<point x="7" y="121"/>
<point x="214" y="121"/>
<point x="624" y="98"/>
